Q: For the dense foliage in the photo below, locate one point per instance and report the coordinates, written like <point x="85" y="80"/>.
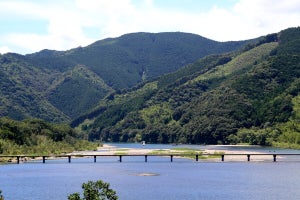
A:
<point x="79" y="91"/>
<point x="37" y="137"/>
<point x="250" y="95"/>
<point x="125" y="61"/>
<point x="24" y="88"/>
<point x="95" y="190"/>
<point x="58" y="86"/>
<point x="218" y="99"/>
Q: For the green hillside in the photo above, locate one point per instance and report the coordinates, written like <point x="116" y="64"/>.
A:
<point x="24" y="88"/>
<point x="218" y="99"/>
<point x="79" y="90"/>
<point x="132" y="58"/>
<point x="37" y="137"/>
<point x="59" y="86"/>
<point x="29" y="91"/>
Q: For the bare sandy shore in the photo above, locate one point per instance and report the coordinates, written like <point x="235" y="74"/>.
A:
<point x="210" y="154"/>
<point x="229" y="155"/>
<point x="242" y="155"/>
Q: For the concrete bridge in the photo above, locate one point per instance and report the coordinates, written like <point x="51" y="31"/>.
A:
<point x="222" y="157"/>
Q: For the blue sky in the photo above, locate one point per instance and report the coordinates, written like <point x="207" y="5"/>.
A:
<point x="29" y="26"/>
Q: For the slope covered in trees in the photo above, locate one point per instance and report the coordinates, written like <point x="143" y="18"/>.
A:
<point x="58" y="86"/>
<point x="37" y="137"/>
<point x="215" y="100"/>
<point x="127" y="60"/>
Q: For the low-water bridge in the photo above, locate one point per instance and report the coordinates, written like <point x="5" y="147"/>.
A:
<point x="43" y="158"/>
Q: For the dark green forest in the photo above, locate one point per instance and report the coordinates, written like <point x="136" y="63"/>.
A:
<point x="246" y="96"/>
<point x="37" y="137"/>
<point x="158" y="88"/>
<point x="59" y="86"/>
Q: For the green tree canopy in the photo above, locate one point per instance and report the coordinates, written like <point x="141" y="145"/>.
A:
<point x="97" y="190"/>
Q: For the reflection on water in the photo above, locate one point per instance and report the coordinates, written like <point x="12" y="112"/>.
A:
<point x="156" y="179"/>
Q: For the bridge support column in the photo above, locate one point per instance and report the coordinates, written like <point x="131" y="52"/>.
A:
<point x="274" y="157"/>
<point x="248" y="157"/>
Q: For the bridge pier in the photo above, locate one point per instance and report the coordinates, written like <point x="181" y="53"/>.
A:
<point x="19" y="158"/>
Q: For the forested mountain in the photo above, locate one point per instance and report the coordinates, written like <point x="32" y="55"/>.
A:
<point x="126" y="61"/>
<point x="37" y="137"/>
<point x="58" y="86"/>
<point x="244" y="96"/>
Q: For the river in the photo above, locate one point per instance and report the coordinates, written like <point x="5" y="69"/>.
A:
<point x="134" y="179"/>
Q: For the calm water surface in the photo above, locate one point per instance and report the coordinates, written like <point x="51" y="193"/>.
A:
<point x="181" y="179"/>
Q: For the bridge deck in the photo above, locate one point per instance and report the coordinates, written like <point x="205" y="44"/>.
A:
<point x="195" y="156"/>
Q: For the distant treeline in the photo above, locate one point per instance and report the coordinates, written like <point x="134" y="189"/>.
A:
<point x="37" y="137"/>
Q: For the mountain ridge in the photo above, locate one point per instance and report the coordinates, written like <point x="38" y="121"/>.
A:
<point x="44" y="84"/>
<point x="136" y="51"/>
<point x="245" y="96"/>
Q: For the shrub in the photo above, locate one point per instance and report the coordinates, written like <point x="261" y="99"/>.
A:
<point x="98" y="190"/>
<point x="1" y="197"/>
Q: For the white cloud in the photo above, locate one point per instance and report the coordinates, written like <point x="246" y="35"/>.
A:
<point x="5" y="49"/>
<point x="267" y="16"/>
<point x="34" y="42"/>
<point x="68" y="20"/>
<point x="114" y="17"/>
<point x="246" y="19"/>
<point x="20" y="8"/>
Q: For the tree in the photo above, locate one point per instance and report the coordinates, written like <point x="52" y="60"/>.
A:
<point x="98" y="190"/>
<point x="1" y="197"/>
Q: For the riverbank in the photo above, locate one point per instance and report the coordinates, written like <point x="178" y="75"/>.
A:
<point x="211" y="153"/>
